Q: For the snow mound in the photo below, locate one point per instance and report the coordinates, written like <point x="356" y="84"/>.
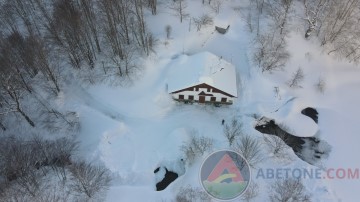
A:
<point x="300" y="125"/>
<point x="291" y="120"/>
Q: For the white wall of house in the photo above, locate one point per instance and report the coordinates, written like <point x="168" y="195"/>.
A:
<point x="186" y="94"/>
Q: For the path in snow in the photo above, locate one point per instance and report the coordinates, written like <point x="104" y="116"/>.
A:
<point x="79" y="94"/>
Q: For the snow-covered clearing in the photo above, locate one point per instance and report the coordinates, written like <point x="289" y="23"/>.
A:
<point x="135" y="129"/>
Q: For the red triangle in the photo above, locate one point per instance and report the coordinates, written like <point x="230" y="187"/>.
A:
<point x="226" y="162"/>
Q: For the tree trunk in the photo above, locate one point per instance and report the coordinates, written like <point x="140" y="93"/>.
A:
<point x="27" y="87"/>
<point x="181" y="12"/>
<point x="26" y="117"/>
<point x="2" y="126"/>
<point x="18" y="108"/>
<point x="284" y="20"/>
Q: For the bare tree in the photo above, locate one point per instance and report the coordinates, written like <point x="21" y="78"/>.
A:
<point x="288" y="190"/>
<point x="89" y="180"/>
<point x="191" y="194"/>
<point x="340" y="18"/>
<point x="27" y="160"/>
<point x="128" y="64"/>
<point x="196" y="147"/>
<point x="17" y="70"/>
<point x="90" y="20"/>
<point x="260" y="5"/>
<point x="67" y="27"/>
<point x="16" y="62"/>
<point x="113" y="37"/>
<point x="26" y="12"/>
<point x="249" y="22"/>
<point x="2" y="125"/>
<point x="45" y="18"/>
<point x="251" y="192"/>
<point x="123" y="17"/>
<point x="233" y="130"/>
<point x="270" y="47"/>
<point x="320" y="85"/>
<point x="339" y="33"/>
<point x="125" y="32"/>
<point x="314" y="11"/>
<point x="270" y="52"/>
<point x="203" y="20"/>
<point x="13" y="158"/>
<point x="297" y="77"/>
<point x="31" y="182"/>
<point x="279" y="11"/>
<point x="36" y="49"/>
<point x="26" y="170"/>
<point x="13" y="101"/>
<point x="139" y="28"/>
<point x="54" y="192"/>
<point x="277" y="144"/>
<point x="168" y="30"/>
<point x="55" y="154"/>
<point x="8" y="18"/>
<point x="153" y="5"/>
<point x="215" y="5"/>
<point x="250" y="149"/>
<point x="17" y="165"/>
<point x="179" y="6"/>
<point x="256" y="8"/>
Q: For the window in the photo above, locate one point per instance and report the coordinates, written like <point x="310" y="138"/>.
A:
<point x="213" y="99"/>
<point x="197" y="89"/>
<point x="191" y="97"/>
<point x="224" y="99"/>
<point x="208" y="90"/>
<point x="181" y="97"/>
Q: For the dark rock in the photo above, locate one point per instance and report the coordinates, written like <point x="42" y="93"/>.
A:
<point x="312" y="113"/>
<point x="319" y="152"/>
<point x="314" y="139"/>
<point x="272" y="128"/>
<point x="222" y="30"/>
<point x="168" y="179"/>
<point x="309" y="145"/>
<point x="157" y="170"/>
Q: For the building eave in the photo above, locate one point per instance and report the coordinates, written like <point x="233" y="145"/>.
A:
<point x="194" y="86"/>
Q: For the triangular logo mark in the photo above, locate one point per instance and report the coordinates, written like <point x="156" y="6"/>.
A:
<point x="226" y="163"/>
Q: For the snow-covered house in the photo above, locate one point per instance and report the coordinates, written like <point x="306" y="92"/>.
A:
<point x="203" y="78"/>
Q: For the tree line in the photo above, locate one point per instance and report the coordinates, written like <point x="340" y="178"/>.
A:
<point x="43" y="43"/>
<point x="36" y="169"/>
<point x="47" y="47"/>
<point x="334" y="23"/>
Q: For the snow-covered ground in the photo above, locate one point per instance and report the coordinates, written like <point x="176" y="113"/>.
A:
<point x="134" y="130"/>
